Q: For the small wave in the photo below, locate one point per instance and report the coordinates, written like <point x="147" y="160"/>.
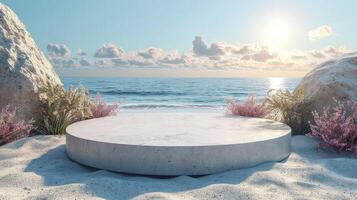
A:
<point x="137" y="93"/>
<point x="137" y="106"/>
<point x="238" y="93"/>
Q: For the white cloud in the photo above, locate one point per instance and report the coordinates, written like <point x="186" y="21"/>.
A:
<point x="151" y="53"/>
<point x="317" y="54"/>
<point x="108" y="51"/>
<point x="141" y="62"/>
<point x="335" y="51"/>
<point x="320" y="32"/>
<point x="263" y="54"/>
<point x="220" y="51"/>
<point x="101" y="63"/>
<point x="85" y="62"/>
<point x="71" y="63"/>
<point x="217" y="55"/>
<point x="201" y="49"/>
<point x="245" y="49"/>
<point x="329" y="52"/>
<point x="174" y="58"/>
<point x="58" y="50"/>
<point x="119" y="62"/>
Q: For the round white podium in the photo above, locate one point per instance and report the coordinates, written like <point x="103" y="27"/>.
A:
<point x="173" y="144"/>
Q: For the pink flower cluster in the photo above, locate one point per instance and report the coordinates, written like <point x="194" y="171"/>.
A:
<point x="100" y="108"/>
<point x="12" y="129"/>
<point x="337" y="126"/>
<point x="249" y="108"/>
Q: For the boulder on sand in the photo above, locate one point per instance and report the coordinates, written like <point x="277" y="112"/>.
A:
<point x="332" y="80"/>
<point x="23" y="67"/>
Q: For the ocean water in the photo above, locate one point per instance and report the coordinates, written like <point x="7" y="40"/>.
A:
<point x="177" y="94"/>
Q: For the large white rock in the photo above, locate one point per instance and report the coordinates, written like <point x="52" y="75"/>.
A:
<point x="334" y="79"/>
<point x="23" y="67"/>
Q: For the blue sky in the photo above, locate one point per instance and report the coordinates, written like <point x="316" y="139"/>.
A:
<point x="172" y="25"/>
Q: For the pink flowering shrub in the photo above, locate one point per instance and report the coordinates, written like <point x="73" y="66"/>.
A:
<point x="249" y="108"/>
<point x="337" y="126"/>
<point x="10" y="128"/>
<point x="100" y="108"/>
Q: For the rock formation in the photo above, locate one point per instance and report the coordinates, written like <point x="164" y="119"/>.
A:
<point x="23" y="67"/>
<point x="334" y="79"/>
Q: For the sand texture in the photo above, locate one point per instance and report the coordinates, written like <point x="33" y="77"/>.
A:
<point x="38" y="168"/>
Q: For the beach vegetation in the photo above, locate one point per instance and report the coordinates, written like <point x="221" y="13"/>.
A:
<point x="99" y="108"/>
<point x="290" y="108"/>
<point x="336" y="126"/>
<point x="60" y="108"/>
<point x="248" y="108"/>
<point x="11" y="128"/>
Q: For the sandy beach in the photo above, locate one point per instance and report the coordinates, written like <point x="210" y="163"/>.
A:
<point x="38" y="167"/>
<point x="176" y="68"/>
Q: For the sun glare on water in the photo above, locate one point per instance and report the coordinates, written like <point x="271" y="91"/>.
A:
<point x="277" y="33"/>
<point x="276" y="83"/>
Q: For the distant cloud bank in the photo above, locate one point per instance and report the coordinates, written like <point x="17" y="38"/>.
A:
<point x="202" y="55"/>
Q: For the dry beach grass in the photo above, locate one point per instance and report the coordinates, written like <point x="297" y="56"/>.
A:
<point x="38" y="167"/>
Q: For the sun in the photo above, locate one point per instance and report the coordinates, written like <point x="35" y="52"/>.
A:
<point x="277" y="33"/>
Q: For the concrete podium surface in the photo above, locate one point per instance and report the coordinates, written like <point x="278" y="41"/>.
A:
<point x="176" y="143"/>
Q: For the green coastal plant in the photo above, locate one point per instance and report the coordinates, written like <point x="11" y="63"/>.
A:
<point x="290" y="108"/>
<point x="60" y="108"/>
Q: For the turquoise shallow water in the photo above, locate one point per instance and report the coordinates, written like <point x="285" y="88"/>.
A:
<point x="178" y="93"/>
